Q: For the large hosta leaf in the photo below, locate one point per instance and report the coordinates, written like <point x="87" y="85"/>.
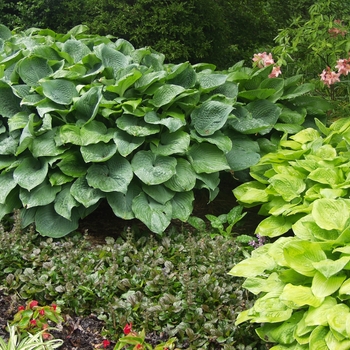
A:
<point x="171" y="143"/>
<point x="60" y="91"/>
<point x="136" y="126"/>
<point x="65" y="202"/>
<point x="153" y="169"/>
<point x="207" y="158"/>
<point x="72" y="164"/>
<point x="257" y="117"/>
<point x="85" y="194"/>
<point x="154" y="215"/>
<point x="121" y="203"/>
<point x="182" y="205"/>
<point x="44" y="145"/>
<point x="210" y="117"/>
<point x="184" y="178"/>
<point x="112" y="58"/>
<point x="32" y="69"/>
<point x="31" y="172"/>
<point x="76" y="49"/>
<point x="219" y="139"/>
<point x="7" y="184"/>
<point x="49" y="223"/>
<point x="166" y="94"/>
<point x="87" y="105"/>
<point x="173" y="121"/>
<point x="159" y="193"/>
<point x="127" y="143"/>
<point x="99" y="152"/>
<point x="9" y="103"/>
<point x="111" y="176"/>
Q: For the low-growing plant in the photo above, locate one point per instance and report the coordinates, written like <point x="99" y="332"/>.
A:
<point x="28" y="342"/>
<point x="86" y="119"/>
<point x="302" y="279"/>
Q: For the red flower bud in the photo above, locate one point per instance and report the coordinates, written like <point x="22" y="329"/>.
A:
<point x="33" y="303"/>
<point x="42" y="312"/>
<point x="32" y="322"/>
<point x="20" y="308"/>
<point x="54" y="307"/>
<point x="46" y="336"/>
<point x="106" y="343"/>
<point x="139" y="346"/>
<point x="45" y="326"/>
<point x="127" y="328"/>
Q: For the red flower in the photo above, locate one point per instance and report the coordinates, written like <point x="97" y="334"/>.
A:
<point x="139" y="346"/>
<point x="33" y="303"/>
<point x="32" y="322"/>
<point x="42" y="312"/>
<point x="127" y="328"/>
<point x="20" y="308"/>
<point x="54" y="306"/>
<point x="46" y="336"/>
<point x="106" y="343"/>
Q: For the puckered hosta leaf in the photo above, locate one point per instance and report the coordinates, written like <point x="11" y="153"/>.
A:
<point x="99" y="152"/>
<point x="159" y="193"/>
<point x="344" y="291"/>
<point x="329" y="176"/>
<point x="9" y="103"/>
<point x="244" y="153"/>
<point x="153" y="169"/>
<point x="182" y="74"/>
<point x="46" y="106"/>
<point x="210" y="117"/>
<point x="8" y="144"/>
<point x="166" y="94"/>
<point x="182" y="205"/>
<point x="94" y="132"/>
<point x="184" y="178"/>
<point x="60" y="91"/>
<point x="30" y="172"/>
<point x="288" y="128"/>
<point x="330" y="214"/>
<point x="317" y="316"/>
<point x="5" y="33"/>
<point x="112" y="58"/>
<point x="111" y="176"/>
<point x="317" y="338"/>
<point x="49" y="223"/>
<point x="18" y="121"/>
<point x="72" y="164"/>
<point x="121" y="203"/>
<point x="289" y="187"/>
<point x="154" y="215"/>
<point x="31" y="69"/>
<point x="208" y="82"/>
<point x="324" y="287"/>
<point x="335" y="343"/>
<point x="257" y="285"/>
<point x="274" y="226"/>
<point x="252" y="192"/>
<point x="172" y="143"/>
<point x="148" y="79"/>
<point x="256" y="117"/>
<point x="297" y="296"/>
<point x="125" y="81"/>
<point x="76" y="49"/>
<point x="12" y="202"/>
<point x="65" y="202"/>
<point x="41" y="195"/>
<point x="336" y="318"/>
<point x="207" y="158"/>
<point x="222" y="141"/>
<point x="173" y="121"/>
<point x="86" y="106"/>
<point x="256" y="94"/>
<point x="127" y="143"/>
<point x="306" y="136"/>
<point x="329" y="267"/>
<point x="301" y="255"/>
<point x="85" y="194"/>
<point x="44" y="145"/>
<point x="7" y="184"/>
<point x="136" y="126"/>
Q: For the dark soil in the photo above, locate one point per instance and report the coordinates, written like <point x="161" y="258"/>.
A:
<point x="84" y="333"/>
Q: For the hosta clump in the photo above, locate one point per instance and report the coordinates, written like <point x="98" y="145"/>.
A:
<point x="84" y="119"/>
<point x="302" y="281"/>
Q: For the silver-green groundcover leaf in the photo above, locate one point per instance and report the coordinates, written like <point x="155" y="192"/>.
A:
<point x="85" y="119"/>
<point x="302" y="282"/>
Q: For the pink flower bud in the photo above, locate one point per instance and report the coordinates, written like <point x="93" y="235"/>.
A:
<point x="20" y="308"/>
<point x="33" y="303"/>
<point x="127" y="328"/>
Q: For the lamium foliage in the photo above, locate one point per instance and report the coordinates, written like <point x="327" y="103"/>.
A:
<point x="302" y="278"/>
<point x="86" y="118"/>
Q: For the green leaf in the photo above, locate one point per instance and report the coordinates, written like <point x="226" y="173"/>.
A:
<point x="330" y="214"/>
<point x="317" y="316"/>
<point x="252" y="192"/>
<point x="184" y="178"/>
<point x="176" y="142"/>
<point x="31" y="172"/>
<point x="297" y="90"/>
<point x="9" y="103"/>
<point x="274" y="226"/>
<point x="112" y="58"/>
<point x="208" y="82"/>
<point x="207" y="158"/>
<point x="49" y="223"/>
<point x="210" y="117"/>
<point x="87" y="104"/>
<point x="297" y="296"/>
<point x="173" y="122"/>
<point x="60" y="91"/>
<point x="85" y="194"/>
<point x="65" y="202"/>
<point x="111" y="176"/>
<point x="222" y="141"/>
<point x="31" y="69"/>
<point x="44" y="145"/>
<point x="41" y="195"/>
<point x="127" y="143"/>
<point x="136" y="126"/>
<point x="7" y="184"/>
<point x="153" y="169"/>
<point x="182" y="205"/>
<point x="323" y="287"/>
<point x="76" y="49"/>
<point x="99" y="152"/>
<point x="72" y="164"/>
<point x="126" y="81"/>
<point x="159" y="193"/>
<point x="166" y="94"/>
<point x="154" y="215"/>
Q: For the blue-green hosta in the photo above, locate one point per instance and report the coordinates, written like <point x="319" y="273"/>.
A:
<point x="85" y="118"/>
<point x="303" y="280"/>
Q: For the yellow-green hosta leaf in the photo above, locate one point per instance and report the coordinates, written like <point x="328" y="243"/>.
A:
<point x="306" y="136"/>
<point x="289" y="187"/>
<point x="252" y="192"/>
<point x="297" y="296"/>
<point x="257" y="285"/>
<point x="323" y="287"/>
<point x="317" y="338"/>
<point x="337" y="317"/>
<point x="344" y="291"/>
<point x="330" y="267"/>
<point x="317" y="316"/>
<point x="274" y="226"/>
<point x="334" y="343"/>
<point x="327" y="175"/>
<point x="330" y="214"/>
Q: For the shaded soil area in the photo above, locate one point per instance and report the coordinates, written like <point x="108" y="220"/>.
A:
<point x="84" y="333"/>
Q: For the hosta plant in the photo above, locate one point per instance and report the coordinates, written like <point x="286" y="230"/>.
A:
<point x="85" y="119"/>
<point x="302" y="279"/>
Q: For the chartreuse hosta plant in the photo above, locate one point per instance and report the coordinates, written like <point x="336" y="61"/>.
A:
<point x="85" y="118"/>
<point x="302" y="279"/>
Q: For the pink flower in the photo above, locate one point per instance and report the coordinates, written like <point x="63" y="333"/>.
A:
<point x="46" y="336"/>
<point x="20" y="308"/>
<point x="276" y="71"/>
<point x="42" y="312"/>
<point x="343" y="66"/>
<point x="106" y="343"/>
<point x="263" y="59"/>
<point x="329" y="77"/>
<point x="32" y="322"/>
<point x="127" y="328"/>
<point x="33" y="303"/>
